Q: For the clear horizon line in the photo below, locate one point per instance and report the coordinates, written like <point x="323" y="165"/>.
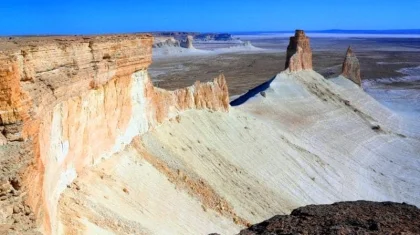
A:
<point x="391" y="31"/>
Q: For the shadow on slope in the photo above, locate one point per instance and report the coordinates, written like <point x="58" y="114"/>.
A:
<point x="251" y="93"/>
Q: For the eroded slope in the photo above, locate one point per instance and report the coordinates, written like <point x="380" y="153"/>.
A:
<point x="94" y="147"/>
<point x="301" y="143"/>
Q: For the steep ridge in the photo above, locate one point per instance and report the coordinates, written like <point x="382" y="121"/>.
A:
<point x="38" y="75"/>
<point x="307" y="140"/>
<point x="294" y="149"/>
<point x="74" y="101"/>
<point x="120" y="156"/>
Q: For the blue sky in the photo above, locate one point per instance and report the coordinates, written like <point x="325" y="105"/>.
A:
<point x="22" y="17"/>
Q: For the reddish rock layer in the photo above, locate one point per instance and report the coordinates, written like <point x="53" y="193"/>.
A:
<point x="38" y="74"/>
<point x="69" y="102"/>
<point x="299" y="53"/>
<point x="351" y="67"/>
<point x="211" y="95"/>
<point x="360" y="217"/>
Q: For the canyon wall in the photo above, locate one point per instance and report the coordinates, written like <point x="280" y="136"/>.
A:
<point x="73" y="101"/>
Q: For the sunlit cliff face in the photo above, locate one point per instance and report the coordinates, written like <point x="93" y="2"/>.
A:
<point x="79" y="101"/>
<point x="93" y="147"/>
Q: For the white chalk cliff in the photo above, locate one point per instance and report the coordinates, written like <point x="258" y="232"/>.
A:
<point x="185" y="162"/>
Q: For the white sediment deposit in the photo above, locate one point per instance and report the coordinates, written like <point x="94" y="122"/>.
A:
<point x="185" y="162"/>
<point x="165" y="47"/>
<point x="308" y="141"/>
<point x="242" y="47"/>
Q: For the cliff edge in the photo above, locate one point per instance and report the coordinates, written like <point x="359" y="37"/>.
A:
<point x="66" y="103"/>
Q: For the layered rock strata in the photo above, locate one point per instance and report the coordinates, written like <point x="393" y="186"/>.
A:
<point x="299" y="53"/>
<point x="72" y="102"/>
<point x="351" y="67"/>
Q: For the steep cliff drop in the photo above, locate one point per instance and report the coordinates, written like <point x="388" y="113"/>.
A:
<point x="68" y="103"/>
<point x="299" y="53"/>
<point x="351" y="67"/>
<point x="54" y="91"/>
<point x="94" y="148"/>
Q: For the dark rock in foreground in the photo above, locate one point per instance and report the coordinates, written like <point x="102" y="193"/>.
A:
<point x="359" y="217"/>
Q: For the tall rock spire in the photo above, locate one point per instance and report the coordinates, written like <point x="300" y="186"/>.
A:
<point x="351" y="67"/>
<point x="188" y="43"/>
<point x="299" y="53"/>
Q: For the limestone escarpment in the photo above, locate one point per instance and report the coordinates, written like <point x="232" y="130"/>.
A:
<point x="299" y="52"/>
<point x="166" y="104"/>
<point x="351" y="67"/>
<point x="38" y="74"/>
<point x="75" y="101"/>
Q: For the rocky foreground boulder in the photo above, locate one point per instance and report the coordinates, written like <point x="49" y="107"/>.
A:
<point x="361" y="217"/>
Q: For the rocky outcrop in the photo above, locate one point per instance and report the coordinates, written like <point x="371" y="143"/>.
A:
<point x="37" y="74"/>
<point x="351" y="67"/>
<point x="163" y="42"/>
<point x="299" y="53"/>
<point x="188" y="43"/>
<point x="67" y="103"/>
<point x="40" y="77"/>
<point x="166" y="104"/>
<point x="360" y="217"/>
